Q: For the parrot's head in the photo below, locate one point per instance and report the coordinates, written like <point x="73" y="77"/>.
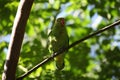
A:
<point x="60" y="21"/>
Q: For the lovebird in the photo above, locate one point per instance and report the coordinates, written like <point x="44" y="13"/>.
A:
<point x="58" y="39"/>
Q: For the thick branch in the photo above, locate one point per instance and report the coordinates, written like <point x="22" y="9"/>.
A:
<point x="72" y="45"/>
<point x="16" y="39"/>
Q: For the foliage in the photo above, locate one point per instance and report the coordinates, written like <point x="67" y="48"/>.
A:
<point x="97" y="58"/>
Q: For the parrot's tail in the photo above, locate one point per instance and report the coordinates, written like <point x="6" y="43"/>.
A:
<point x="60" y="67"/>
<point x="59" y="60"/>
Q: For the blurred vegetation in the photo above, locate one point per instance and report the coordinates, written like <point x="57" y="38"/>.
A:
<point x="97" y="58"/>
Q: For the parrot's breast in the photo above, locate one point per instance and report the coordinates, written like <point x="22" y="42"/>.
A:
<point x="58" y="40"/>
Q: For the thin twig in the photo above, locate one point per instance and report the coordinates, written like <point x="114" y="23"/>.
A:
<point x="95" y="33"/>
<point x="65" y="49"/>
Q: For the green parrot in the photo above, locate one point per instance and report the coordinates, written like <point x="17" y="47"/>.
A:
<point x="58" y="39"/>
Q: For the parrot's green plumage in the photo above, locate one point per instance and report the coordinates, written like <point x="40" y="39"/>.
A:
<point x="58" y="39"/>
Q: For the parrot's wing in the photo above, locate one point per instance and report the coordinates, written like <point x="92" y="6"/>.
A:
<point x="67" y="43"/>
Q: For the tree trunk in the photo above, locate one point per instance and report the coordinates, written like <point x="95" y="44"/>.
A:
<point x="16" y="39"/>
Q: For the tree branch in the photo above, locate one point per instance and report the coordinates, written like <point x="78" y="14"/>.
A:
<point x="65" y="49"/>
<point x="16" y="39"/>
